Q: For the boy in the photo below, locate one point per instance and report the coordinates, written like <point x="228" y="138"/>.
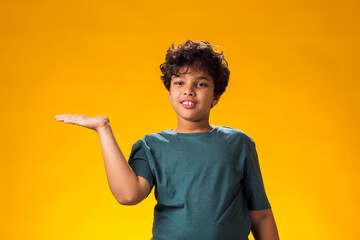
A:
<point x="207" y="178"/>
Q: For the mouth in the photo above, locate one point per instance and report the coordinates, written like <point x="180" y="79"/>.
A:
<point x="188" y="104"/>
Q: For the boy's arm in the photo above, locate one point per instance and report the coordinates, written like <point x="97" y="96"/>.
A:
<point x="263" y="226"/>
<point x="127" y="188"/>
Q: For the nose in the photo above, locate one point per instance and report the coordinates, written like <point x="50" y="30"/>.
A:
<point x="188" y="91"/>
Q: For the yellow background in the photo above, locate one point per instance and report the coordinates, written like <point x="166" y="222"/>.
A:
<point x="294" y="88"/>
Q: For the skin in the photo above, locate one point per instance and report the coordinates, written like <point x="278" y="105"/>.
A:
<point x="263" y="226"/>
<point x="127" y="188"/>
<point x="199" y="87"/>
<point x="130" y="189"/>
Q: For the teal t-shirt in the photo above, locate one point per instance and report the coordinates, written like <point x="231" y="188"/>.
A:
<point x="205" y="183"/>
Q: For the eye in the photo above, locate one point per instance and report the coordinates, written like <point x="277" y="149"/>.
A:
<point x="177" y="83"/>
<point x="202" y="84"/>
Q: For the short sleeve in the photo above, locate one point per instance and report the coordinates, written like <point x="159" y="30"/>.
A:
<point x="254" y="189"/>
<point x="138" y="161"/>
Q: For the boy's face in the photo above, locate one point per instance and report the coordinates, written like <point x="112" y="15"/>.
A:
<point x="198" y="88"/>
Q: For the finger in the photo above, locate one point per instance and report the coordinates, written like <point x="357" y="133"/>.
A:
<point x="70" y="119"/>
<point x="65" y="116"/>
<point x="60" y="117"/>
<point x="66" y="119"/>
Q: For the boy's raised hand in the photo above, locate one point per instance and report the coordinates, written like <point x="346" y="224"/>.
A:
<point x="94" y="123"/>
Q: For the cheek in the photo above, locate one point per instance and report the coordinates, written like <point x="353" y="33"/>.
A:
<point x="175" y="93"/>
<point x="173" y="96"/>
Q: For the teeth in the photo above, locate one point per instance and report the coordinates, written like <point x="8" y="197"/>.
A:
<point x="188" y="103"/>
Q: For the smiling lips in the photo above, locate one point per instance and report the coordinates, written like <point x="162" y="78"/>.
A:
<point x="188" y="104"/>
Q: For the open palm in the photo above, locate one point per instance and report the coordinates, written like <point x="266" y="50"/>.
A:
<point x="94" y="123"/>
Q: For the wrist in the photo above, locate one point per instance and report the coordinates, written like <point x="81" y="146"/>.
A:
<point x="103" y="127"/>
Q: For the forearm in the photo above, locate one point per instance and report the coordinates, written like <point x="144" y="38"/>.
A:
<point x="264" y="228"/>
<point x="122" y="180"/>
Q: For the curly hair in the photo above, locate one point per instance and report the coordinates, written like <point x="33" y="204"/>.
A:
<point x="198" y="55"/>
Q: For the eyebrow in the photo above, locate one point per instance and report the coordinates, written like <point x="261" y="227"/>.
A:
<point x="198" y="78"/>
<point x="202" y="77"/>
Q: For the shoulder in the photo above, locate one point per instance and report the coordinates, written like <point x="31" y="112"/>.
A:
<point x="236" y="133"/>
<point x="158" y="136"/>
<point x="148" y="144"/>
<point x="152" y="140"/>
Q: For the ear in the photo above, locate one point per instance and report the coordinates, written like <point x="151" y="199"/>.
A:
<point x="169" y="96"/>
<point x="215" y="100"/>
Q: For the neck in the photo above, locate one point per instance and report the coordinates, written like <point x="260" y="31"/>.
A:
<point x="193" y="128"/>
